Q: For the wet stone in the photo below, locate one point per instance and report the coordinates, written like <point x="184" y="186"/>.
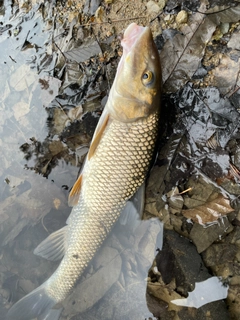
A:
<point x="203" y="236"/>
<point x="234" y="41"/>
<point x="223" y="259"/>
<point x="188" y="264"/>
<point x="180" y="268"/>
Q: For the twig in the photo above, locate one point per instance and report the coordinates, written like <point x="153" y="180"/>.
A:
<point x="111" y="21"/>
<point x="59" y="49"/>
<point x="12" y="59"/>
<point x="185" y="191"/>
<point x="185" y="48"/>
<point x="213" y="12"/>
<point x="44" y="225"/>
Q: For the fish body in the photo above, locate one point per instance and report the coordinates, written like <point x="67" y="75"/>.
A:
<point x="116" y="167"/>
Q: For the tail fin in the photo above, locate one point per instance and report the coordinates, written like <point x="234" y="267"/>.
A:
<point x="37" y="303"/>
<point x="53" y="314"/>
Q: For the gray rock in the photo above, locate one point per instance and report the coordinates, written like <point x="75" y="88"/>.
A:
<point x="234" y="42"/>
<point x="203" y="237"/>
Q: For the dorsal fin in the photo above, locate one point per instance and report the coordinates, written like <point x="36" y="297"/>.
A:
<point x="103" y="121"/>
<point x="75" y="192"/>
<point x="76" y="189"/>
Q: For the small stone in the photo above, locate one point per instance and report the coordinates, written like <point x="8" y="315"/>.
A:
<point x="235" y="280"/>
<point x="224" y="27"/>
<point x="234" y="41"/>
<point x="169" y="19"/>
<point x="153" y="7"/>
<point x="162" y="4"/>
<point x="238" y="256"/>
<point x="182" y="17"/>
<point x="217" y="35"/>
<point x="226" y="272"/>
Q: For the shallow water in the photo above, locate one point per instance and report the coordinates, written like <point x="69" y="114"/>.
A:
<point x="37" y="169"/>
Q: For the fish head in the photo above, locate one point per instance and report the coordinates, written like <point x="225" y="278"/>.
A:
<point x="136" y="89"/>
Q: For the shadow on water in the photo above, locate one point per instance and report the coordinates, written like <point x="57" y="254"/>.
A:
<point x="51" y="98"/>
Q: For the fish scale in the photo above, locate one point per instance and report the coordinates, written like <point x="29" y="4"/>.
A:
<point x="103" y="198"/>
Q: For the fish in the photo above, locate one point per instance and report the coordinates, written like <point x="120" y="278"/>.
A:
<point x="113" y="175"/>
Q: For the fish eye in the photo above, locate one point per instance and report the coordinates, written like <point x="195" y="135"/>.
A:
<point x="147" y="78"/>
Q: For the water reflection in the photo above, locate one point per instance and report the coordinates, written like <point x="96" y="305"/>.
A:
<point x="38" y="133"/>
<point x="207" y="291"/>
<point x="115" y="286"/>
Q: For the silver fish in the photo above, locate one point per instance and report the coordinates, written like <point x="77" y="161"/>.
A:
<point x="116" y="167"/>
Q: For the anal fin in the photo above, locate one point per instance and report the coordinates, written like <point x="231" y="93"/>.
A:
<point x="54" y="246"/>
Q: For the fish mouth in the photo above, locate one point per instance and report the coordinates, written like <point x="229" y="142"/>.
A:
<point x="131" y="36"/>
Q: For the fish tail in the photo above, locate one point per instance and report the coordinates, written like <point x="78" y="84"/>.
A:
<point x="37" y="304"/>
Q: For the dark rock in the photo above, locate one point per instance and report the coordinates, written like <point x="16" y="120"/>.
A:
<point x="165" y="263"/>
<point x="186" y="267"/>
<point x="159" y="308"/>
<point x="189" y="267"/>
<point x="203" y="237"/>
<point x="223" y="260"/>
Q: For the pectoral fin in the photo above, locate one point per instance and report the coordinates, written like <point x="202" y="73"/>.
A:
<point x="102" y="123"/>
<point x="133" y="211"/>
<point x="138" y="200"/>
<point x="54" y="246"/>
<point x="75" y="192"/>
<point x="76" y="189"/>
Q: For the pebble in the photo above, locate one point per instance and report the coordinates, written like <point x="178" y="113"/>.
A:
<point x="234" y="42"/>
<point x="169" y="19"/>
<point x="235" y="280"/>
<point x="162" y="4"/>
<point x="224" y="27"/>
<point x="182" y="17"/>
<point x="153" y="7"/>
